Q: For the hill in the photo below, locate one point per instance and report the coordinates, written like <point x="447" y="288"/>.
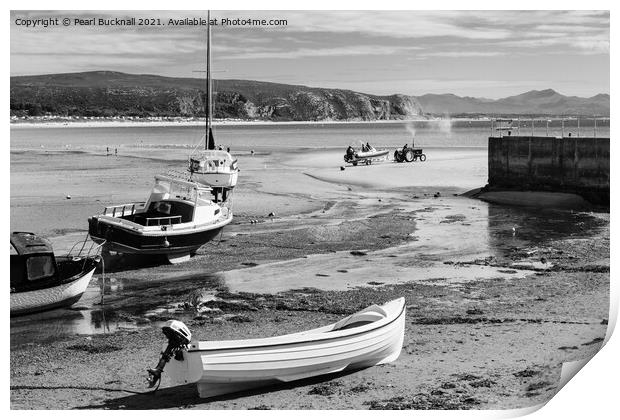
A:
<point x="108" y="94"/>
<point x="105" y="93"/>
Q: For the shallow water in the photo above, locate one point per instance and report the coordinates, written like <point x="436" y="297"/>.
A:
<point x="267" y="137"/>
<point x="453" y="229"/>
<point x="86" y="317"/>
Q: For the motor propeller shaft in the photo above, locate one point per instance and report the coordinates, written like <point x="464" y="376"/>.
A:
<point x="179" y="337"/>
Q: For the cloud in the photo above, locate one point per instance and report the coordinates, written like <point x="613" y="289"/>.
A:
<point x="581" y="45"/>
<point x="361" y="50"/>
<point x="341" y="48"/>
<point x="328" y="33"/>
<point x="460" y="54"/>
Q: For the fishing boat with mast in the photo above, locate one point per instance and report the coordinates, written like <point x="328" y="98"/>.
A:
<point x="215" y="168"/>
<point x="184" y="210"/>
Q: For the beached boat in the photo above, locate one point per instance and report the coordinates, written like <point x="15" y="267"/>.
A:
<point x="370" y="337"/>
<point x="40" y="280"/>
<point x="178" y="218"/>
<point x="215" y="168"/>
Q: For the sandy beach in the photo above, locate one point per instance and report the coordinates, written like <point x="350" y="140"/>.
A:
<point x="498" y="296"/>
<point x="51" y="122"/>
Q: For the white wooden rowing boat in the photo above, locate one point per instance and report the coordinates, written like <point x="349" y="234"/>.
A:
<point x="370" y="337"/>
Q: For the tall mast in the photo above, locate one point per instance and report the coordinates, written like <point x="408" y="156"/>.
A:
<point x="208" y="101"/>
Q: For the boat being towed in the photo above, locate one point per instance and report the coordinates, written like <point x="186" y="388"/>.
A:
<point x="41" y="280"/>
<point x="366" y="155"/>
<point x="178" y="218"/>
<point x="369" y="337"/>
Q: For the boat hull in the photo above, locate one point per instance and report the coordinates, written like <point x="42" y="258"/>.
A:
<point x="230" y="369"/>
<point x="49" y="298"/>
<point x="129" y="241"/>
<point x="372" y="154"/>
<point x="223" y="179"/>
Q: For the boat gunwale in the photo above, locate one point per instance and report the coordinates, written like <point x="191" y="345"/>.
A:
<point x="351" y="333"/>
<point x="138" y="229"/>
<point x="333" y="349"/>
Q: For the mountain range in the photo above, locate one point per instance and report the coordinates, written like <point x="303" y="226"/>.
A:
<point x="109" y="94"/>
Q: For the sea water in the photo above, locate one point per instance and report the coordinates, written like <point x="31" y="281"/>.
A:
<point x="283" y="137"/>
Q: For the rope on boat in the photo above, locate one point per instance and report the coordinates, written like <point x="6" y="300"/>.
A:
<point x="221" y="233"/>
<point x="102" y="280"/>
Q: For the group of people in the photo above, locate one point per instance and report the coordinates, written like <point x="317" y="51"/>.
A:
<point x="365" y="148"/>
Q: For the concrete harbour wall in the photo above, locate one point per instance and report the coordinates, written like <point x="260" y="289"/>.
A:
<point x="571" y="164"/>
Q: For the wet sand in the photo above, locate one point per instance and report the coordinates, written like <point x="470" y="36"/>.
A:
<point x="492" y="311"/>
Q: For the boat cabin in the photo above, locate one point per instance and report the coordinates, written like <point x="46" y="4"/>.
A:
<point x="33" y="265"/>
<point x="171" y="201"/>
<point x="212" y="161"/>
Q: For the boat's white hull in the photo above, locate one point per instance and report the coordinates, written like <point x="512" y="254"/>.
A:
<point x="52" y="297"/>
<point x="222" y="371"/>
<point x="220" y="179"/>
<point x="372" y="154"/>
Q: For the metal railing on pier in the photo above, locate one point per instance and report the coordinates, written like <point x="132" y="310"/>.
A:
<point x="569" y="126"/>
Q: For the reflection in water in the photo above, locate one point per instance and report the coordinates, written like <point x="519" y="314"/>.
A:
<point x="86" y="317"/>
<point x="517" y="227"/>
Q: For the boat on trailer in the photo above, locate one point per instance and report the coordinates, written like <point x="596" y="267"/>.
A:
<point x="178" y="217"/>
<point x="367" y="338"/>
<point x="41" y="280"/>
<point x="365" y="156"/>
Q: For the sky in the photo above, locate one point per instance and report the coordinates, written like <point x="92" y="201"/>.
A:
<point x="489" y="54"/>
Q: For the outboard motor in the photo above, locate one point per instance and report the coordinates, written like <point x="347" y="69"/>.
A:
<point x="179" y="337"/>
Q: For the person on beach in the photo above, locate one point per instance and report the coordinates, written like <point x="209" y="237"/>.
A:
<point x="115" y="151"/>
<point x="107" y="151"/>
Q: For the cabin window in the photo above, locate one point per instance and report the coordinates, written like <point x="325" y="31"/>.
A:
<point x="39" y="267"/>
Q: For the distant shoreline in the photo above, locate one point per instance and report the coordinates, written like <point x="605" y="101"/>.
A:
<point x="115" y="123"/>
<point x="196" y="123"/>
